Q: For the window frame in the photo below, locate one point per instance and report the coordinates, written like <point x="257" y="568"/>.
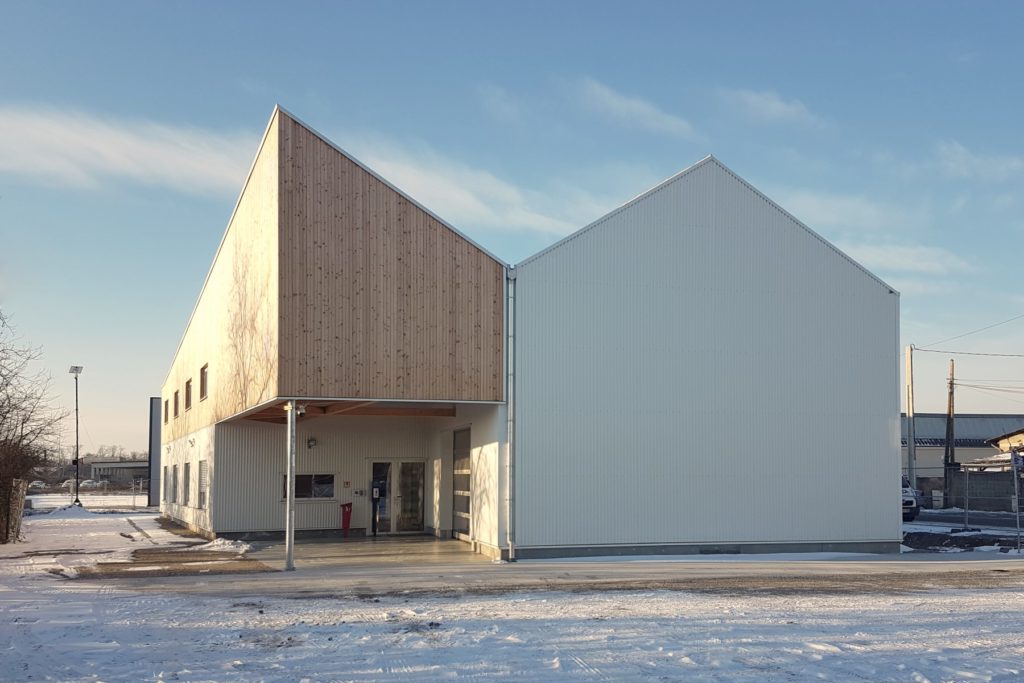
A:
<point x="203" y="484"/>
<point x="176" y="404"/>
<point x="188" y="394"/>
<point x="204" y="382"/>
<point x="185" y="477"/>
<point x="167" y="410"/>
<point x="311" y="488"/>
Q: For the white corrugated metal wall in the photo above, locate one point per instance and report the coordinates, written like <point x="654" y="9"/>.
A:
<point x="699" y="368"/>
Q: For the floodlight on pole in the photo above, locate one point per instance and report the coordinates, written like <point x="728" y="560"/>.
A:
<point x="76" y="370"/>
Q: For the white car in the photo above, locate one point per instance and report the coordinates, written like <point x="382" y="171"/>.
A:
<point x="89" y="484"/>
<point x="37" y="484"/>
<point x="910" y="503"/>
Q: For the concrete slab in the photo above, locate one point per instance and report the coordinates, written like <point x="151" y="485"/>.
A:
<point x="408" y="566"/>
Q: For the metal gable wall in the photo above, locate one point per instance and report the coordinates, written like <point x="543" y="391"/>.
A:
<point x="640" y="339"/>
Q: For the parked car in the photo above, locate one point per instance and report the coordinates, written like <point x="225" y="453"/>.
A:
<point x="37" y="484"/>
<point x="89" y="484"/>
<point x="68" y="484"/>
<point x="911" y="505"/>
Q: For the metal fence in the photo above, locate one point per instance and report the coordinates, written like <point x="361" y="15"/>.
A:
<point x="966" y="489"/>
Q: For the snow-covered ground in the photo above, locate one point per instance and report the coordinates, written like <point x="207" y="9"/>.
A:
<point x="89" y="500"/>
<point x="52" y="628"/>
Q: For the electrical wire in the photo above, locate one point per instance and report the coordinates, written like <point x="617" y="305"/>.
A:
<point x="970" y="353"/>
<point x="1002" y="398"/>
<point x="980" y="329"/>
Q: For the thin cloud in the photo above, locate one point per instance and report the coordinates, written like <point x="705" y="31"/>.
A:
<point x="768" y="106"/>
<point x="831" y="212"/>
<point x="632" y="111"/>
<point x="956" y="161"/>
<point x="919" y="259"/>
<point x="497" y="102"/>
<point x="87" y="151"/>
<point x="472" y="198"/>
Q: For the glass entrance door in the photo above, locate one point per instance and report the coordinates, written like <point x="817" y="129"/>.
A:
<point x="398" y="501"/>
<point x="408" y="503"/>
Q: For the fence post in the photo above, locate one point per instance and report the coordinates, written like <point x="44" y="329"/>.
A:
<point x="967" y="496"/>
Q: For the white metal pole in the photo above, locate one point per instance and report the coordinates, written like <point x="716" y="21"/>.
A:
<point x="78" y="450"/>
<point x="289" y="532"/>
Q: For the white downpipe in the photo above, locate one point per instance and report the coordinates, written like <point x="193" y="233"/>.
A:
<point x="289" y="528"/>
<point x="510" y="410"/>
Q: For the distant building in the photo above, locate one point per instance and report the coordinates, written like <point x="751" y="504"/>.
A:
<point x="119" y="471"/>
<point x="973" y="433"/>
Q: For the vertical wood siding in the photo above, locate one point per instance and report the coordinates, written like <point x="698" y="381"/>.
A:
<point x="697" y="367"/>
<point x="378" y="298"/>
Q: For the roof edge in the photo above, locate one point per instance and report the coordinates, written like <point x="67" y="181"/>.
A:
<point x="622" y="207"/>
<point x="223" y="238"/>
<point x="709" y="159"/>
<point x="391" y="185"/>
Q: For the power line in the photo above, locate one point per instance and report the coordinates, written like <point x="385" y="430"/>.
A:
<point x="987" y="387"/>
<point x="970" y="353"/>
<point x="980" y="329"/>
<point x="1002" y="398"/>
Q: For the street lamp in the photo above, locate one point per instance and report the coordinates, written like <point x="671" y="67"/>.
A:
<point x="76" y="370"/>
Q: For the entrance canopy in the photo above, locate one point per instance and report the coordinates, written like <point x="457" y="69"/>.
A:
<point x="275" y="412"/>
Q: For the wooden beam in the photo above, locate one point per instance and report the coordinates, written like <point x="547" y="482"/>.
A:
<point x="339" y="408"/>
<point x="405" y="411"/>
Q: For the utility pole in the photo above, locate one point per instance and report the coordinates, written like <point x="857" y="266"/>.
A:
<point x="911" y="432"/>
<point x="949" y="456"/>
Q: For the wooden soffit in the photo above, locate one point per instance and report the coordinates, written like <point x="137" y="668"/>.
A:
<point x="275" y="413"/>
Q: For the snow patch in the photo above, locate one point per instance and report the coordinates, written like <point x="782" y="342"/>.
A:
<point x="70" y="512"/>
<point x="222" y="545"/>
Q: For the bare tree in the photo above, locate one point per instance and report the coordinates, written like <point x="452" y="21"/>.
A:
<point x="28" y="421"/>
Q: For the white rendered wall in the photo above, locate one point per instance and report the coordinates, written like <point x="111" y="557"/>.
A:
<point x="251" y="462"/>
<point x="697" y="367"/>
<point x="489" y="463"/>
<point x="192" y="449"/>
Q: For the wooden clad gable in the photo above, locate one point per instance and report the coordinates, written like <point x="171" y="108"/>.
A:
<point x="378" y="298"/>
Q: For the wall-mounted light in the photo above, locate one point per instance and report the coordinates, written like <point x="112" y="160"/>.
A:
<point x="310" y="442"/>
<point x="191" y="442"/>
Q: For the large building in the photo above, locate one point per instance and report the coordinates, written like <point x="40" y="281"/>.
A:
<point x="696" y="371"/>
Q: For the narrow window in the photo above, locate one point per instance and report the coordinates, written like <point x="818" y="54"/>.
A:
<point x="204" y="482"/>
<point x="175" y="404"/>
<point x="188" y="394"/>
<point x="204" y="383"/>
<point x="166" y="411"/>
<point x="310" y="486"/>
<point x="167" y="485"/>
<point x="186" y="483"/>
<point x="174" y="484"/>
